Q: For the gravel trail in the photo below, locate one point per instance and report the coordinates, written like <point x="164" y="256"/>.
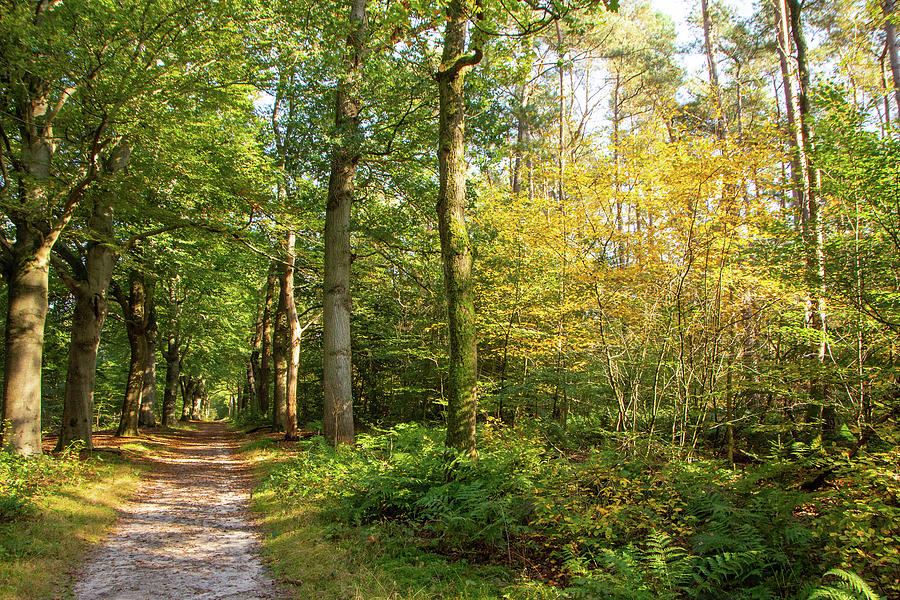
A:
<point x="187" y="534"/>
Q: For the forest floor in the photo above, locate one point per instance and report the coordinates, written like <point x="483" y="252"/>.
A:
<point x="187" y="533"/>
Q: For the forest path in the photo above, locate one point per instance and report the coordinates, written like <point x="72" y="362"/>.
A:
<point x="186" y="534"/>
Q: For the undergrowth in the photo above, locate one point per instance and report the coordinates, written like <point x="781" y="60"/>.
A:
<point x="22" y="479"/>
<point x="53" y="508"/>
<point x="596" y="522"/>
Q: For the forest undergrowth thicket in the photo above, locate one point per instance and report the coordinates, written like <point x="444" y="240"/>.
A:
<point x="614" y="520"/>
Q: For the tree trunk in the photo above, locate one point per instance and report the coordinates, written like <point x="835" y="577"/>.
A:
<point x="134" y="385"/>
<point x="279" y="358"/>
<point x="798" y="154"/>
<point x="247" y="399"/>
<point x="91" y="306"/>
<point x="173" y="374"/>
<point x="336" y="356"/>
<point x="137" y="320"/>
<point x="198" y="393"/>
<point x="202" y="402"/>
<point x="26" y="312"/>
<point x="292" y="342"/>
<point x="721" y="122"/>
<point x="456" y="253"/>
<point x="89" y="284"/>
<point x="813" y="236"/>
<point x="187" y="396"/>
<point x="148" y="392"/>
<point x="265" y="367"/>
<point x="890" y="31"/>
<point x="522" y="137"/>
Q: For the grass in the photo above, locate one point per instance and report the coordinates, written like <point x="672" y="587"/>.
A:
<point x="40" y="551"/>
<point x="315" y="558"/>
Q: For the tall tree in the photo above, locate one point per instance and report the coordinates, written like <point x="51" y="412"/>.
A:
<point x="88" y="283"/>
<point x="291" y="338"/>
<point x="456" y="251"/>
<point x="136" y="311"/>
<point x="890" y="30"/>
<point x="813" y="235"/>
<point x="721" y="121"/>
<point x="265" y="366"/>
<point x="336" y="353"/>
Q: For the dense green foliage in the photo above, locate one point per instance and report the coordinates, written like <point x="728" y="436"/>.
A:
<point x="602" y="523"/>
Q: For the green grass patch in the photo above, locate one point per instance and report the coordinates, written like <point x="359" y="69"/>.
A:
<point x="70" y="505"/>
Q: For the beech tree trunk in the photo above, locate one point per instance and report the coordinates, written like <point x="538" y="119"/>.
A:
<point x="148" y="392"/>
<point x="202" y="402"/>
<point x="336" y="355"/>
<point x="27" y="309"/>
<point x="187" y="397"/>
<point x="135" y="309"/>
<point x="265" y="366"/>
<point x="198" y="391"/>
<point x="90" y="288"/>
<point x="280" y="360"/>
<point x="456" y="252"/>
<point x="88" y="280"/>
<point x="292" y="342"/>
<point x="173" y="374"/>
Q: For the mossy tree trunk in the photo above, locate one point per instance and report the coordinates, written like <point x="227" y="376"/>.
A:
<point x="456" y="251"/>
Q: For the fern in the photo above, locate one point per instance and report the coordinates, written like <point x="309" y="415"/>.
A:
<point x="666" y="562"/>
<point x="849" y="586"/>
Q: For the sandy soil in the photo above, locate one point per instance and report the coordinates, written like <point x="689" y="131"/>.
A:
<point x="187" y="534"/>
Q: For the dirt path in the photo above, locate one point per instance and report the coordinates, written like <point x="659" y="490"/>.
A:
<point x="186" y="535"/>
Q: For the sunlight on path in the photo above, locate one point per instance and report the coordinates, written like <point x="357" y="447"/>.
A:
<point x="186" y="535"/>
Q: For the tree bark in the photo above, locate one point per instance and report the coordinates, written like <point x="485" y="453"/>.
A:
<point x="148" y="391"/>
<point x="89" y="285"/>
<point x="173" y="374"/>
<point x="202" y="401"/>
<point x="137" y="321"/>
<point x="890" y="31"/>
<point x="336" y="355"/>
<point x="280" y="360"/>
<point x="798" y="155"/>
<point x="265" y="367"/>
<point x="721" y="121"/>
<point x="456" y="252"/>
<point x="187" y="397"/>
<point x="91" y="306"/>
<point x="26" y="312"/>
<point x="813" y="236"/>
<point x="292" y="342"/>
<point x="198" y="392"/>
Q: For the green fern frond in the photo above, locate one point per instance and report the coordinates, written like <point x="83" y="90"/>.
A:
<point x="850" y="586"/>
